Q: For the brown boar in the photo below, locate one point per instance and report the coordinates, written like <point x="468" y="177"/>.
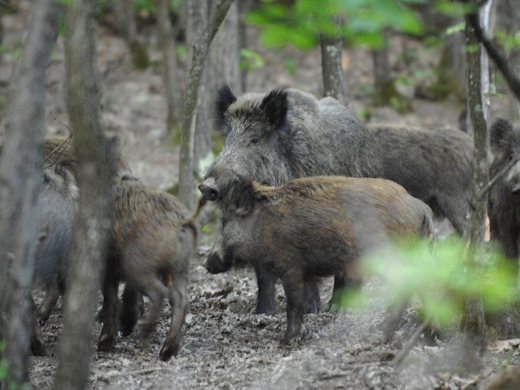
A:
<point x="153" y="241"/>
<point x="315" y="227"/>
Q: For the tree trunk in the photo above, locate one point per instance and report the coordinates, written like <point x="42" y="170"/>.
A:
<point x="197" y="13"/>
<point x="331" y="69"/>
<point x="20" y="171"/>
<point x="508" y="21"/>
<point x="125" y="16"/>
<point x="95" y="172"/>
<point x="172" y="91"/>
<point x="200" y="51"/>
<point x="243" y="8"/>
<point x="473" y="318"/>
<point x="224" y="60"/>
<point x="384" y="84"/>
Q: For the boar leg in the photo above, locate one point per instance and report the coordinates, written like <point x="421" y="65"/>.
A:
<point x="294" y="287"/>
<point x="51" y="298"/>
<point x="155" y="294"/>
<point x="108" y="336"/>
<point x="266" y="299"/>
<point x="130" y="309"/>
<point x="455" y="209"/>
<point x="312" y="296"/>
<point x="343" y="284"/>
<point x="179" y="307"/>
<point x="37" y="347"/>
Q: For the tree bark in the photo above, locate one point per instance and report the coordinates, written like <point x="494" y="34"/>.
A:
<point x="125" y="16"/>
<point x="95" y="172"/>
<point x="473" y="317"/>
<point x="243" y="8"/>
<point x="172" y="91"/>
<point x="331" y="69"/>
<point x="20" y="171"/>
<point x="200" y="51"/>
<point x="508" y="20"/>
<point x="196" y="21"/>
<point x="224" y="60"/>
<point x="384" y="84"/>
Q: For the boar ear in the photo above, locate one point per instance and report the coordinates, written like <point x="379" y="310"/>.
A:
<point x="501" y="133"/>
<point x="225" y="98"/>
<point x="243" y="197"/>
<point x="274" y="106"/>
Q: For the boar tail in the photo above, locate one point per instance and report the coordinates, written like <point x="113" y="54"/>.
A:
<point x="200" y="205"/>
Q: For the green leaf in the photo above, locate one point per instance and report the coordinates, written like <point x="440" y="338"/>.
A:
<point x="455" y="28"/>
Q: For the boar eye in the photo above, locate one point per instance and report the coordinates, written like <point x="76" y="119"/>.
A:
<point x="510" y="157"/>
<point x="254" y="141"/>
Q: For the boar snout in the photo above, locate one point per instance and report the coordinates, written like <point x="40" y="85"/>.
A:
<point x="209" y="189"/>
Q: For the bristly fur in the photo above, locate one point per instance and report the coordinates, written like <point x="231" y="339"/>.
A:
<point x="302" y="187"/>
<point x="501" y="133"/>
<point x="225" y="98"/>
<point x="274" y="106"/>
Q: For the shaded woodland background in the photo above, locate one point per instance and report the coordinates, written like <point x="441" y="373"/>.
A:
<point x="142" y="71"/>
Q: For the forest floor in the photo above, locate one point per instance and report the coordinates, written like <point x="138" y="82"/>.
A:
<point x="225" y="344"/>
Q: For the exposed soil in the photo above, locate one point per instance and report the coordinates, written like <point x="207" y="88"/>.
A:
<point x="226" y="345"/>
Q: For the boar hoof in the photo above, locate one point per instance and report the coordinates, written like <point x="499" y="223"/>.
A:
<point x="313" y="307"/>
<point x="37" y="347"/>
<point x="106" y="342"/>
<point x="289" y="341"/>
<point x="167" y="351"/>
<point x="267" y="310"/>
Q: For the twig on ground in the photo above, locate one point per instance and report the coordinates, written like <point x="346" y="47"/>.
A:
<point x="409" y="345"/>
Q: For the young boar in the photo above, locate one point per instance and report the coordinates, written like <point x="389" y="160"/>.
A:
<point x="153" y="241"/>
<point x="315" y="227"/>
<point x="284" y="134"/>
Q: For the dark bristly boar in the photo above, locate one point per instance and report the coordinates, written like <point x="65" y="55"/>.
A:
<point x="153" y="241"/>
<point x="284" y="134"/>
<point x="435" y="166"/>
<point x="315" y="227"/>
<point x="504" y="197"/>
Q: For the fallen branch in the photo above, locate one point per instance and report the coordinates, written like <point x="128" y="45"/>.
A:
<point x="409" y="345"/>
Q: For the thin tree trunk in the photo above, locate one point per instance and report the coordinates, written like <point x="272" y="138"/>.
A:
<point x="473" y="318"/>
<point x="243" y="8"/>
<point x="508" y="22"/>
<point x="95" y="172"/>
<point x="386" y="94"/>
<point x="20" y="171"/>
<point x="382" y="71"/>
<point x="125" y="15"/>
<point x="200" y="51"/>
<point x="331" y="69"/>
<point x="198" y="12"/>
<point x="170" y="67"/>
<point x="223" y="67"/>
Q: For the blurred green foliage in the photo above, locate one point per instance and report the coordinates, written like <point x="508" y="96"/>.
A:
<point x="250" y="60"/>
<point x="439" y="274"/>
<point x="300" y="23"/>
<point x="508" y="41"/>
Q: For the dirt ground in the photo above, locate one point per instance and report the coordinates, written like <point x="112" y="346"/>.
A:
<point x="225" y="344"/>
